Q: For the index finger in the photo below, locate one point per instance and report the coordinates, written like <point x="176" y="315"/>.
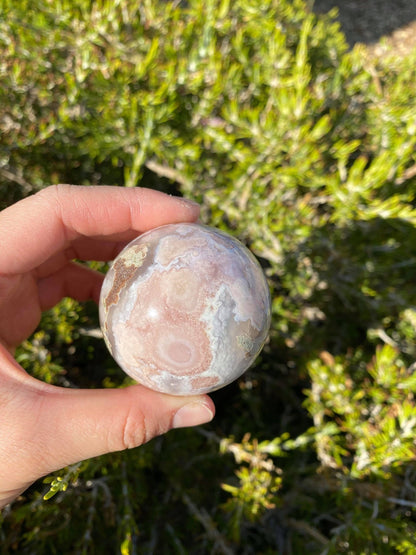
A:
<point x="40" y="226"/>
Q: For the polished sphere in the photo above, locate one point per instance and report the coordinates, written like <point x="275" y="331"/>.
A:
<point x="185" y="309"/>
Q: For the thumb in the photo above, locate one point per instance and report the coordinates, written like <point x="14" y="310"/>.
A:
<point x="78" y="424"/>
<point x="44" y="428"/>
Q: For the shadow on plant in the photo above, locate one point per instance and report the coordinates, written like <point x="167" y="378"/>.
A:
<point x="364" y="278"/>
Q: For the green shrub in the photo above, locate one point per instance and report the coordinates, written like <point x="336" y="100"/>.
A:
<point x="304" y="150"/>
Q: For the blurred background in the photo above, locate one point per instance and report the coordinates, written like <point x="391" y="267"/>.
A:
<point x="295" y="129"/>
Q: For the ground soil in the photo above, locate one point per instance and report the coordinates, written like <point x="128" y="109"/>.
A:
<point x="379" y="24"/>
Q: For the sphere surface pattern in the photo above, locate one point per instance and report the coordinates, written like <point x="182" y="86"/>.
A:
<point x="185" y="309"/>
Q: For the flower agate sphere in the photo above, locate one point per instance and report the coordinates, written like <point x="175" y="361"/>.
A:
<point x="185" y="309"/>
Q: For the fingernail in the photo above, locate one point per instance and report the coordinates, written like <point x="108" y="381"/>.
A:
<point x="192" y="414"/>
<point x="190" y="203"/>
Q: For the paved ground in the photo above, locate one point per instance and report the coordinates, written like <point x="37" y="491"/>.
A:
<point x="368" y="21"/>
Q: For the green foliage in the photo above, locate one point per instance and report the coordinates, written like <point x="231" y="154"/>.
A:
<point x="304" y="150"/>
<point x="60" y="483"/>
<point x="258" y="481"/>
<point x="372" y="416"/>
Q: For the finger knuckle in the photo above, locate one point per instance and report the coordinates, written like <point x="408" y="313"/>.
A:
<point x="133" y="430"/>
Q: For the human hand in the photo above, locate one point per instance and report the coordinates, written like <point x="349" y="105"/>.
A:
<point x="43" y="427"/>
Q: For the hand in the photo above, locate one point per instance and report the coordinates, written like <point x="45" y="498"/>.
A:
<point x="42" y="427"/>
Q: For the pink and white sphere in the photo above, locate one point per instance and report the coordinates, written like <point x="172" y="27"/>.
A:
<point x="185" y="309"/>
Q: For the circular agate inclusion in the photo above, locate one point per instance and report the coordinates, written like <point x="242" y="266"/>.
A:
<point x="185" y="309"/>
